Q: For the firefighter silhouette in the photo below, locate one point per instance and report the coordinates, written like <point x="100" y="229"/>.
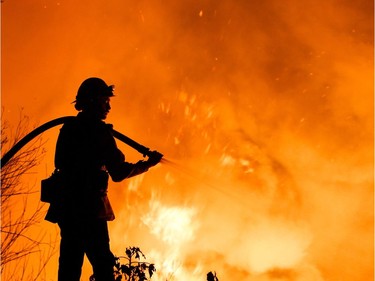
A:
<point x="86" y="157"/>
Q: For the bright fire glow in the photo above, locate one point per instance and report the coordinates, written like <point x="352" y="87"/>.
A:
<point x="263" y="109"/>
<point x="173" y="225"/>
<point x="276" y="246"/>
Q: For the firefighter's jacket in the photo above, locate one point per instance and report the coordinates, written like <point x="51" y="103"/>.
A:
<point x="86" y="155"/>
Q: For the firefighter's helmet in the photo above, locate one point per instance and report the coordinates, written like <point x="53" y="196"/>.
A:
<point x="91" y="89"/>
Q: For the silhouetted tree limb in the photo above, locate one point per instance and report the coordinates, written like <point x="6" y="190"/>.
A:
<point x="17" y="214"/>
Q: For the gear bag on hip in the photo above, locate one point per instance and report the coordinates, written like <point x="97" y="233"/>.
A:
<point x="51" y="187"/>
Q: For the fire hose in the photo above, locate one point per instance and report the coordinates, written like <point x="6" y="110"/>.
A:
<point x="58" y="121"/>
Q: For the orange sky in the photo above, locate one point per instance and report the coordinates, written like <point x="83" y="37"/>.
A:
<point x="267" y="109"/>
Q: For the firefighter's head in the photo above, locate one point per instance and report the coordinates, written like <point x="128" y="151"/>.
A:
<point x="93" y="97"/>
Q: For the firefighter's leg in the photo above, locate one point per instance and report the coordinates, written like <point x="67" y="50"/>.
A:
<point x="71" y="253"/>
<point x="98" y="251"/>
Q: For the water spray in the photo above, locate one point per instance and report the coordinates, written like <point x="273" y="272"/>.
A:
<point x="192" y="175"/>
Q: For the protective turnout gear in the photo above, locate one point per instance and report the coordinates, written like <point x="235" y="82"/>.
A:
<point x="86" y="155"/>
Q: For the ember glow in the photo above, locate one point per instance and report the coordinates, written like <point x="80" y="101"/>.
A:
<point x="263" y="110"/>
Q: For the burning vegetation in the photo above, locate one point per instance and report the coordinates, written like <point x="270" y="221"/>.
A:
<point x="263" y="111"/>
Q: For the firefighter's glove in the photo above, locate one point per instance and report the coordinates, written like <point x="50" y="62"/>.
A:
<point x="154" y="158"/>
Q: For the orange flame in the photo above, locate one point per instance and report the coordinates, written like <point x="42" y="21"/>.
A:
<point x="265" y="107"/>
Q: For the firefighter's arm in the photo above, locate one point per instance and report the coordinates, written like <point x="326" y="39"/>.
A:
<point x="124" y="170"/>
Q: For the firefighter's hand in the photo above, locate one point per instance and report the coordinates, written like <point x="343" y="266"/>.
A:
<point x="154" y="158"/>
